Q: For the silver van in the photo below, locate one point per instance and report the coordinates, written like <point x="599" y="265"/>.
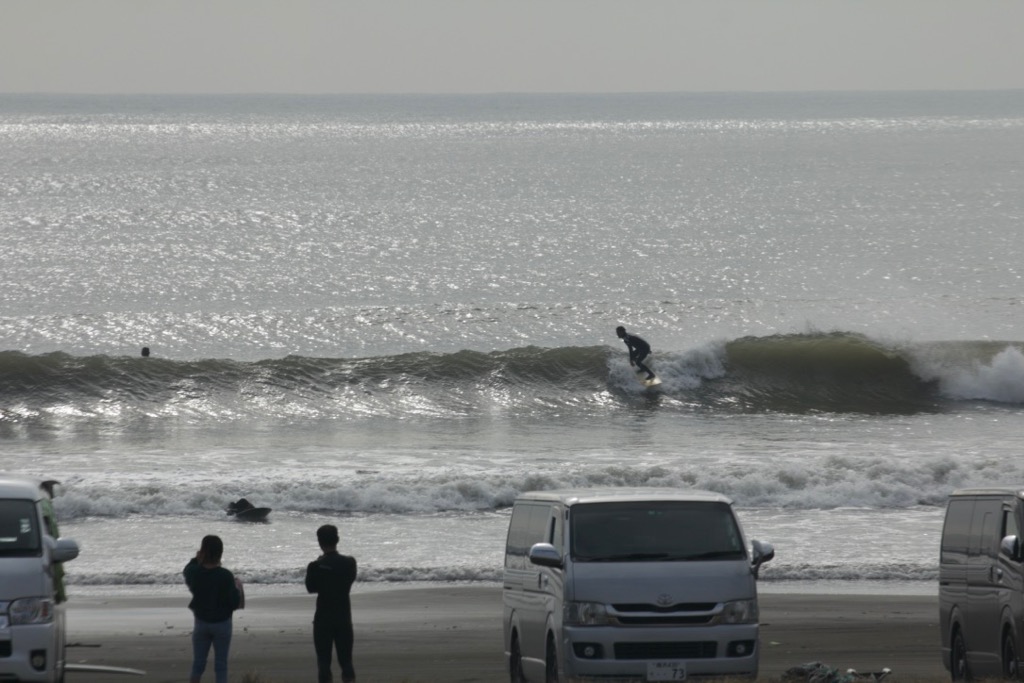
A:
<point x="32" y="635"/>
<point x="981" y="583"/>
<point x="649" y="584"/>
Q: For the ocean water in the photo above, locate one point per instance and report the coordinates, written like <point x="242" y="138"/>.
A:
<point x="397" y="313"/>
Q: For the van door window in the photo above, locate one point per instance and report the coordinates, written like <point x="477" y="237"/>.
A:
<point x="19" y="529"/>
<point x="655" y="531"/>
<point x="1010" y="524"/>
<point x="515" y="546"/>
<point x="538" y="529"/>
<point x="989" y="542"/>
<point x="985" y="527"/>
<point x="956" y="531"/>
<point x="529" y="525"/>
<point x="1009" y="528"/>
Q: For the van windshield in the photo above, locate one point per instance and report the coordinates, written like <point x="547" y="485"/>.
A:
<point x="19" y="529"/>
<point x="654" y="531"/>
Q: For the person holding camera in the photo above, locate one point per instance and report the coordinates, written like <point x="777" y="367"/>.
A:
<point x="216" y="594"/>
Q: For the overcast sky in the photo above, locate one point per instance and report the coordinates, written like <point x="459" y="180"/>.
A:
<point x="405" y="46"/>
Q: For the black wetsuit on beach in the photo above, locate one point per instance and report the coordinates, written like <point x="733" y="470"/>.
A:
<point x="331" y="577"/>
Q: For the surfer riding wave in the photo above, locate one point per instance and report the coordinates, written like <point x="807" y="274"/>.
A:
<point x="638" y="350"/>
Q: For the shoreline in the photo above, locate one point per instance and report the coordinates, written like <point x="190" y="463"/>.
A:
<point x="454" y="632"/>
<point x="295" y="588"/>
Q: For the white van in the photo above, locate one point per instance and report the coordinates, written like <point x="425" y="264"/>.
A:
<point x="981" y="584"/>
<point x="648" y="584"/>
<point x="32" y="636"/>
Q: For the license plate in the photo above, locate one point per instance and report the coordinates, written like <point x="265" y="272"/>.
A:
<point x="666" y="671"/>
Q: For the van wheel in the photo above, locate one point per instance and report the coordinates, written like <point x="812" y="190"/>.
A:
<point x="1011" y="667"/>
<point x="551" y="663"/>
<point x="958" y="659"/>
<point x="515" y="664"/>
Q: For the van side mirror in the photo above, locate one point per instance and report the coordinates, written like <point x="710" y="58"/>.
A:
<point x="545" y="555"/>
<point x="63" y="550"/>
<point x="761" y="553"/>
<point x="1010" y="546"/>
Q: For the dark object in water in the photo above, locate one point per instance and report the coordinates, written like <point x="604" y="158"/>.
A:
<point x="245" y="511"/>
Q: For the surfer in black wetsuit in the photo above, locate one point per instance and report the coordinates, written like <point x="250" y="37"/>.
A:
<point x="331" y="576"/>
<point x="241" y="506"/>
<point x="638" y="350"/>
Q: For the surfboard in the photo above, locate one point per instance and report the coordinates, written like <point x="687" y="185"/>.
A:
<point x="99" y="668"/>
<point x="252" y="515"/>
<point x="641" y="377"/>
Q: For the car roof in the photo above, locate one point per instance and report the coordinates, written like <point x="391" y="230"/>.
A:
<point x="623" y="495"/>
<point x="26" y="488"/>
<point x="994" y="491"/>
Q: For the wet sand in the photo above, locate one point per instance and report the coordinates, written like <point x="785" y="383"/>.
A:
<point x="454" y="634"/>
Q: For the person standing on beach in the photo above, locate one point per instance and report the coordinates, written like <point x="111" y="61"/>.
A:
<point x="216" y="594"/>
<point x="331" y="576"/>
<point x="638" y="350"/>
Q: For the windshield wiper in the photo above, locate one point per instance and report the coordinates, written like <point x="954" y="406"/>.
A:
<point x="629" y="557"/>
<point x="712" y="555"/>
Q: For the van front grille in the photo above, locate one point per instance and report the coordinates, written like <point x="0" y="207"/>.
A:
<point x="667" y="650"/>
<point x="678" y="607"/>
<point x="652" y="620"/>
<point x="679" y="614"/>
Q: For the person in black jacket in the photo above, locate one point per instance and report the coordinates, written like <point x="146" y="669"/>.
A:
<point x="638" y="350"/>
<point x="216" y="594"/>
<point x="331" y="576"/>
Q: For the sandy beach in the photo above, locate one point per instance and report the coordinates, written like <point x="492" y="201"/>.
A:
<point x="441" y="633"/>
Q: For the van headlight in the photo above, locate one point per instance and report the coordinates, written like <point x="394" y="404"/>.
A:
<point x="30" y="611"/>
<point x="739" y="612"/>
<point x="586" y="614"/>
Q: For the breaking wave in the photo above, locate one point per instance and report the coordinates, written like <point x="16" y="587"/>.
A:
<point x="798" y="373"/>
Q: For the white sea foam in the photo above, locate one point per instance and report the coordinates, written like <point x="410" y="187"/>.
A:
<point x="833" y="481"/>
<point x="1001" y="380"/>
